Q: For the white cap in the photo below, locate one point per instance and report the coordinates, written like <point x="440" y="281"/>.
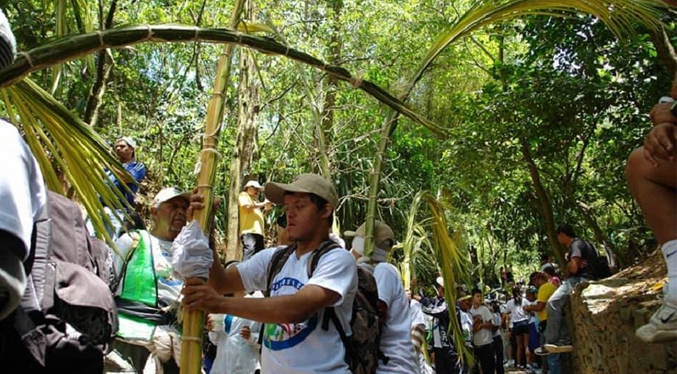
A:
<point x="167" y="194"/>
<point x="130" y="142"/>
<point x="253" y="183"/>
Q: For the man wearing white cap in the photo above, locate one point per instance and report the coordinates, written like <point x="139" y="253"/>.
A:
<point x="251" y="219"/>
<point x="395" y="342"/>
<point x="294" y="338"/>
<point x="125" y="149"/>
<point x="147" y="294"/>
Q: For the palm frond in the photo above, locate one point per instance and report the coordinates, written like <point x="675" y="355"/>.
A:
<point x="410" y="241"/>
<point x="453" y="263"/>
<point x="61" y="141"/>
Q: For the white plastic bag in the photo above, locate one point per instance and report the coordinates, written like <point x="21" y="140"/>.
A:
<point x="192" y="256"/>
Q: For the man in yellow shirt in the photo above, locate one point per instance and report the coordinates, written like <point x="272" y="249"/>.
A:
<point x="545" y="290"/>
<point x="251" y="219"/>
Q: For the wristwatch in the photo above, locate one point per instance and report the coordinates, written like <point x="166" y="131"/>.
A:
<point x="673" y="107"/>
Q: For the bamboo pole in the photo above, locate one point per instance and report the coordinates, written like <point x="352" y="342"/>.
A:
<point x="193" y="323"/>
<point x="74" y="46"/>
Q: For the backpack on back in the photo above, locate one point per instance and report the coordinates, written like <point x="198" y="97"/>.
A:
<point x="362" y="346"/>
<point x="67" y="317"/>
<point x="598" y="264"/>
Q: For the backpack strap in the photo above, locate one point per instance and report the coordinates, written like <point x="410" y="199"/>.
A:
<point x="136" y="239"/>
<point x="330" y="315"/>
<point x="593" y="251"/>
<point x="31" y="336"/>
<point x="276" y="263"/>
<point x="317" y="254"/>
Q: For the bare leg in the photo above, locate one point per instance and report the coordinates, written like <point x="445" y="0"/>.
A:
<point x="654" y="189"/>
<point x="520" y="350"/>
<point x="527" y="352"/>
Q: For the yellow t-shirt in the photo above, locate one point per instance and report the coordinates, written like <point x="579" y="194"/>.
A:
<point x="251" y="221"/>
<point x="544" y="292"/>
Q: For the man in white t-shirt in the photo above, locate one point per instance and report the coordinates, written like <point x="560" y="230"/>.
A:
<point x="396" y="333"/>
<point x="22" y="199"/>
<point x="294" y="339"/>
<point x="482" y="340"/>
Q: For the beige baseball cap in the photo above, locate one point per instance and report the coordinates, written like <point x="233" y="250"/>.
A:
<point x="169" y="193"/>
<point x="384" y="237"/>
<point x="304" y="183"/>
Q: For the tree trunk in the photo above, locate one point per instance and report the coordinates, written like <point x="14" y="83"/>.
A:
<point x="335" y="45"/>
<point x="665" y="49"/>
<point x="249" y="106"/>
<point x="103" y="70"/>
<point x="544" y="204"/>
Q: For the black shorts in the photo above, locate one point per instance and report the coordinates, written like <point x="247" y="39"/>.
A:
<point x="520" y="328"/>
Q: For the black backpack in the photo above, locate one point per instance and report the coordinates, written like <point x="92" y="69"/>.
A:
<point x="366" y="322"/>
<point x="67" y="316"/>
<point x="599" y="265"/>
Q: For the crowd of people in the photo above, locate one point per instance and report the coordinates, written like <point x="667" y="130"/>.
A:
<point x="309" y="304"/>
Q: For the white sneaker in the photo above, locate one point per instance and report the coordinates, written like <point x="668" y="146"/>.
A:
<point x="552" y="348"/>
<point x="510" y="364"/>
<point x="541" y="351"/>
<point x="662" y="326"/>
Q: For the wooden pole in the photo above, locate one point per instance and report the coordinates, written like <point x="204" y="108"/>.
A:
<point x="193" y="323"/>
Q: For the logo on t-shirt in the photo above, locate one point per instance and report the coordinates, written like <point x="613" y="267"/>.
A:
<point x="278" y="337"/>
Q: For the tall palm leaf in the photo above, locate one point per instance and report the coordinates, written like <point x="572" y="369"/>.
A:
<point x="453" y="264"/>
<point x="61" y="141"/>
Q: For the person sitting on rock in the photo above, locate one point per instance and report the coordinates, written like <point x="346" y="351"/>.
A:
<point x="651" y="172"/>
<point x="557" y="336"/>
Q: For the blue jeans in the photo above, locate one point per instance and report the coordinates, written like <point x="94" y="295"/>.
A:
<point x="554" y="363"/>
<point x="556" y="331"/>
